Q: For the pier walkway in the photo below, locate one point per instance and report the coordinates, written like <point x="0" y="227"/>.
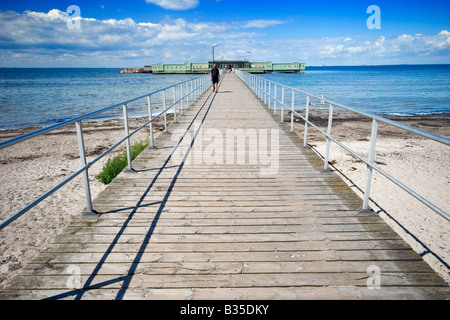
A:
<point x="228" y="206"/>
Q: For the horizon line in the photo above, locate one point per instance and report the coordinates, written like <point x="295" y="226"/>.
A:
<point x="313" y="66"/>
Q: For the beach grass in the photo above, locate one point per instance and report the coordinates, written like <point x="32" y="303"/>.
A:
<point x="116" y="164"/>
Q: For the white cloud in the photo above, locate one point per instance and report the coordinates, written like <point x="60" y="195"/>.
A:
<point x="261" y="23"/>
<point x="43" y="39"/>
<point x="403" y="49"/>
<point x="175" y="4"/>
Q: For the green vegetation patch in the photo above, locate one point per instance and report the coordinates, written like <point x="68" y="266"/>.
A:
<point x="115" y="165"/>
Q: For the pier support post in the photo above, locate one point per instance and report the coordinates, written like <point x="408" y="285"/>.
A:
<point x="275" y="101"/>
<point x="174" y="105"/>
<point x="292" y="110"/>
<point x="329" y="131"/>
<point x="282" y="105"/>
<point x="150" y="115"/>
<point x="165" y="111"/>
<point x="127" y="134"/>
<point x="373" y="142"/>
<point x="87" y="188"/>
<point x="305" y="138"/>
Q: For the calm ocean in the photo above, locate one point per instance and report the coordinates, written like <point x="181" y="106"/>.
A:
<point x="42" y="97"/>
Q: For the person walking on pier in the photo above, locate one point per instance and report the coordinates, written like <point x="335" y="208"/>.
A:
<point x="215" y="78"/>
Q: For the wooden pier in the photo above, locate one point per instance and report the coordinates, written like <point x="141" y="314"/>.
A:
<point x="194" y="223"/>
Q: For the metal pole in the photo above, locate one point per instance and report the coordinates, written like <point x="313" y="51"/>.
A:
<point x="275" y="101"/>
<point x="265" y="91"/>
<point x="373" y="142"/>
<point x="174" y="105"/>
<point x="165" y="112"/>
<point x="259" y="88"/>
<point x="292" y="111"/>
<point x="127" y="133"/>
<point x="330" y="125"/>
<point x="282" y="104"/>
<point x="182" y="98"/>
<point x="87" y="188"/>
<point x="193" y="91"/>
<point x="150" y="115"/>
<point x="189" y="93"/>
<point x="305" y="139"/>
<point x="269" y="94"/>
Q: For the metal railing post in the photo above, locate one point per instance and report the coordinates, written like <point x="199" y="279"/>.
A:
<point x="270" y="90"/>
<point x="150" y="115"/>
<point x="329" y="131"/>
<point x="275" y="101"/>
<point x="305" y="138"/>
<point x="292" y="110"/>
<point x="127" y="133"/>
<point x="196" y="88"/>
<point x="165" y="111"/>
<point x="282" y="105"/>
<point x="174" y="105"/>
<point x="373" y="142"/>
<point x="187" y="94"/>
<point x="87" y="187"/>
<point x="265" y="91"/>
<point x="191" y="89"/>
<point x="182" y="98"/>
<point x="259" y="88"/>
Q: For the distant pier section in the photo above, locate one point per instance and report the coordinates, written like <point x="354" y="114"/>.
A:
<point x="201" y="68"/>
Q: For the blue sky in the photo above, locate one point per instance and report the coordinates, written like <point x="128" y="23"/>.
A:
<point x="134" y="33"/>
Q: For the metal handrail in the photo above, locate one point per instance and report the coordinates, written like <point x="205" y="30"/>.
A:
<point x="193" y="88"/>
<point x="262" y="88"/>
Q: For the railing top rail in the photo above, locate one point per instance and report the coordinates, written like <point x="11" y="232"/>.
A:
<point x="399" y="125"/>
<point x="38" y="132"/>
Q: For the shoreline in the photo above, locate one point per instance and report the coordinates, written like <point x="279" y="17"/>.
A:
<point x="317" y="114"/>
<point x="37" y="165"/>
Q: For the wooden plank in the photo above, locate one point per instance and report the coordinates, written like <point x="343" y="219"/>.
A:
<point x="150" y="256"/>
<point x="229" y="267"/>
<point x="234" y="281"/>
<point x="260" y="293"/>
<point x="293" y="246"/>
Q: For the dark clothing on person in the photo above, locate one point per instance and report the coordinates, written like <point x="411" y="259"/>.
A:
<point x="215" y="75"/>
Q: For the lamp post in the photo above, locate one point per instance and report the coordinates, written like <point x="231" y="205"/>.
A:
<point x="213" y="46"/>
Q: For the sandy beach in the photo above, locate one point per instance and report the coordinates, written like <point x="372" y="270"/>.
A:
<point x="33" y="167"/>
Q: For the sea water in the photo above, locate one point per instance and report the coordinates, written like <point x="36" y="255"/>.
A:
<point x="42" y="97"/>
<point x="402" y="89"/>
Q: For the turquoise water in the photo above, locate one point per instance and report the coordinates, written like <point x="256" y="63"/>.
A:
<point x="42" y="97"/>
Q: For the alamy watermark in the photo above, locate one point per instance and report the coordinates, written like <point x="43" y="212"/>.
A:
<point x="374" y="279"/>
<point x="374" y="21"/>
<point x="257" y="147"/>
<point x="74" y="280"/>
<point x="74" y="19"/>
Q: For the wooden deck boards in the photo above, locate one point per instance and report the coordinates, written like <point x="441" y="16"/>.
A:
<point x="198" y="230"/>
